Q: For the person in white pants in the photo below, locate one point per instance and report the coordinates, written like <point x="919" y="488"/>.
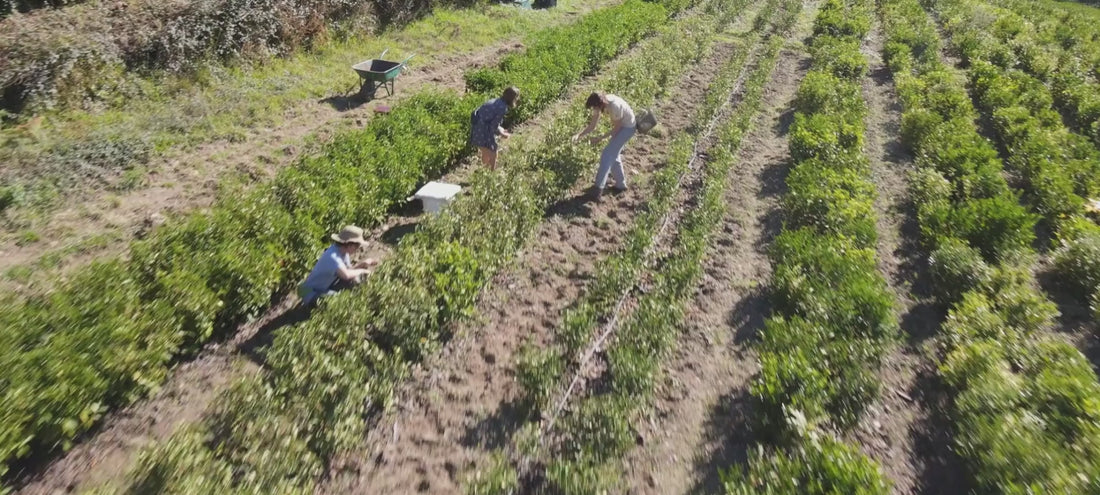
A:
<point x="622" y="129"/>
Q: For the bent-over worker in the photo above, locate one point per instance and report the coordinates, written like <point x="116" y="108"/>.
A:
<point x="334" y="271"/>
<point x="622" y="129"/>
<point x="485" y="125"/>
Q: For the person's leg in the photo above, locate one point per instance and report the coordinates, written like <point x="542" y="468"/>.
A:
<point x="492" y="159"/>
<point x="617" y="144"/>
<point x="483" y="154"/>
<point x="607" y="159"/>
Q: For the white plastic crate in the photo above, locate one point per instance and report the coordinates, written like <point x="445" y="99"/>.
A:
<point x="436" y="195"/>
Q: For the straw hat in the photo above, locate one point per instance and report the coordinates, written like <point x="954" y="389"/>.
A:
<point x="348" y="235"/>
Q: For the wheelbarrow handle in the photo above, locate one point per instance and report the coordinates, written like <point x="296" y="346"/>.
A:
<point x="407" y="59"/>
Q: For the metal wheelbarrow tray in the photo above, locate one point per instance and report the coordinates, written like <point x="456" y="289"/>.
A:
<point x="377" y="73"/>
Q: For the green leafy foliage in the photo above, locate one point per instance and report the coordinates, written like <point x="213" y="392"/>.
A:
<point x="1022" y="409"/>
<point x="1078" y="264"/>
<point x="198" y="276"/>
<point x="833" y="315"/>
<point x="816" y="467"/>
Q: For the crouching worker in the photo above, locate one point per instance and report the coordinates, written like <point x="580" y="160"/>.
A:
<point x="622" y="129"/>
<point x="334" y="271"/>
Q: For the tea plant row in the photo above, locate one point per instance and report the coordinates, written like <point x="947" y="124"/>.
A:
<point x="325" y="377"/>
<point x="1060" y="170"/>
<point x="543" y="374"/>
<point x="590" y="441"/>
<point x="834" y="315"/>
<point x="1059" y="46"/>
<point x="1023" y="412"/>
<point x="109" y="334"/>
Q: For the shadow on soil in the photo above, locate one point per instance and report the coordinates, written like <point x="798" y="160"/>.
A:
<point x="350" y="100"/>
<point x="942" y="471"/>
<point x="495" y="430"/>
<point x="727" y="426"/>
<point x="393" y="235"/>
<point x="576" y="206"/>
<point x="749" y="314"/>
<point x="254" y="348"/>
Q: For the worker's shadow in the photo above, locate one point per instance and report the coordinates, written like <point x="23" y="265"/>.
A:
<point x="576" y="206"/>
<point x="255" y="348"/>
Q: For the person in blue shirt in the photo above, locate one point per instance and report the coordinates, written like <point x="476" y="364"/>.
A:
<point x="334" y="271"/>
<point x="485" y="125"/>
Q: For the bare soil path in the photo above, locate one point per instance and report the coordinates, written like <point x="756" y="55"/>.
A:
<point x="460" y="404"/>
<point x="190" y="179"/>
<point x="699" y="420"/>
<point x="902" y="430"/>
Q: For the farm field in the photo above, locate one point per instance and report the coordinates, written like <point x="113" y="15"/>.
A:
<point x="860" y="253"/>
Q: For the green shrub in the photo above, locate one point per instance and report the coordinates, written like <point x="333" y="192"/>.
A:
<point x="831" y="280"/>
<point x="822" y="92"/>
<point x="819" y="466"/>
<point x="499" y="478"/>
<point x="842" y="21"/>
<point x="956" y="269"/>
<point x="831" y="201"/>
<point x="537" y="373"/>
<point x="926" y="185"/>
<point x="839" y="57"/>
<point x="1077" y="263"/>
<point x="824" y="137"/>
<point x="993" y="226"/>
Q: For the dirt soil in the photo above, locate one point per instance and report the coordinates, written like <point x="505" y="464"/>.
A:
<point x="904" y="430"/>
<point x="461" y="404"/>
<point x="699" y="422"/>
<point x="190" y="179"/>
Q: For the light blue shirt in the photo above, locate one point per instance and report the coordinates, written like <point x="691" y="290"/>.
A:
<point x="323" y="276"/>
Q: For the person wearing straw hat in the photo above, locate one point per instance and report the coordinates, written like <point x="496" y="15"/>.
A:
<point x="334" y="271"/>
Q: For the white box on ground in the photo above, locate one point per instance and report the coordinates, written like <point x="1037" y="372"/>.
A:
<point x="436" y="195"/>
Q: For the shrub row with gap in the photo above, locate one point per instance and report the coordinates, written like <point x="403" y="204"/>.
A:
<point x="620" y="272"/>
<point x="834" y="315"/>
<point x="110" y="334"/>
<point x="1023" y="404"/>
<point x="594" y="435"/>
<point x="326" y="376"/>
<point x="541" y="372"/>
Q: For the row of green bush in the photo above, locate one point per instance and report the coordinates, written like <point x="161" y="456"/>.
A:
<point x="1058" y="46"/>
<point x="324" y="378"/>
<point x="542" y="372"/>
<point x="594" y="436"/>
<point x="620" y="272"/>
<point x="1024" y="411"/>
<point x="1060" y="169"/>
<point x="833" y="314"/>
<point x="110" y="333"/>
<point x="596" y="432"/>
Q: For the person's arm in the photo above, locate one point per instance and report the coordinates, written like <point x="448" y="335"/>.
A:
<point x="592" y="122"/>
<point x="498" y="121"/>
<point x="349" y="274"/>
<point x="615" y="128"/>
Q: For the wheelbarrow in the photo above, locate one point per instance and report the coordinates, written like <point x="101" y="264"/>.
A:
<point x="378" y="73"/>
